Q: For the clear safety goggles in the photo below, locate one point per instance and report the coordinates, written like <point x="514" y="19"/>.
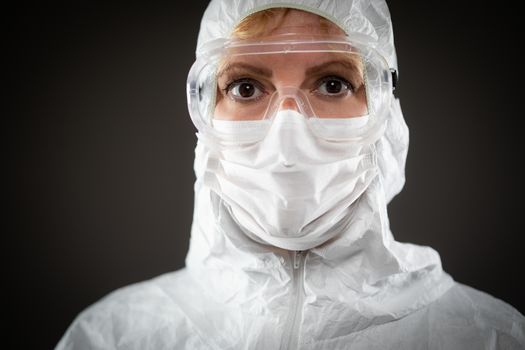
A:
<point x="341" y="86"/>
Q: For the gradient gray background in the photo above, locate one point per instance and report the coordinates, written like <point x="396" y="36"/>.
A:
<point x="103" y="145"/>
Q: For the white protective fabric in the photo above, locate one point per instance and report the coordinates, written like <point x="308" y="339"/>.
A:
<point x="292" y="190"/>
<point x="359" y="290"/>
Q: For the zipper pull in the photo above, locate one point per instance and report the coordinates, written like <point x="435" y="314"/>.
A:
<point x="297" y="259"/>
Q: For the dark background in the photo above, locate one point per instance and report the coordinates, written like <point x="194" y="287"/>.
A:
<point x="101" y="146"/>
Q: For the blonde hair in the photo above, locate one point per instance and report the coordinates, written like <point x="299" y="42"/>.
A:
<point x="263" y="22"/>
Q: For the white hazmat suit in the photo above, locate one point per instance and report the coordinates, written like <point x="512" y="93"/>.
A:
<point x="358" y="290"/>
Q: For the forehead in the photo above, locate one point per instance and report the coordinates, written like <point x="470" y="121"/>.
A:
<point x="292" y="60"/>
<point x="264" y="32"/>
<point x="283" y="67"/>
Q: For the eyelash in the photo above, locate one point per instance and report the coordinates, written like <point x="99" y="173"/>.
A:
<point x="327" y="78"/>
<point x="234" y="82"/>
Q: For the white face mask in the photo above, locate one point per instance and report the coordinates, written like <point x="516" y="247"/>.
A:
<point x="291" y="190"/>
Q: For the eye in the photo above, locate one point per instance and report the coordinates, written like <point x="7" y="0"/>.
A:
<point x="244" y="90"/>
<point x="333" y="86"/>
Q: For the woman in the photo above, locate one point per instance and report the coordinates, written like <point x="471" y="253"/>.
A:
<point x="301" y="145"/>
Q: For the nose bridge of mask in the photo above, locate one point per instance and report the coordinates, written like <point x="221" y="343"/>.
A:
<point x="290" y="137"/>
<point x="289" y="132"/>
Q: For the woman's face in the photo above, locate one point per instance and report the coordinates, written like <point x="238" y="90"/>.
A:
<point x="332" y="83"/>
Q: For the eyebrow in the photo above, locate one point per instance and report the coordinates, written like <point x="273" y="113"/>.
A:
<point x="267" y="73"/>
<point x="319" y="68"/>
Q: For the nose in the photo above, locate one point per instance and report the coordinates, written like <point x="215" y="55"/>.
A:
<point x="289" y="103"/>
<point x="292" y="98"/>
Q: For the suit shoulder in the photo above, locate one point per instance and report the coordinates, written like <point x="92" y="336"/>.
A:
<point x="130" y="316"/>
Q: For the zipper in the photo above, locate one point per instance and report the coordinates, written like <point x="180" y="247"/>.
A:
<point x="291" y="333"/>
